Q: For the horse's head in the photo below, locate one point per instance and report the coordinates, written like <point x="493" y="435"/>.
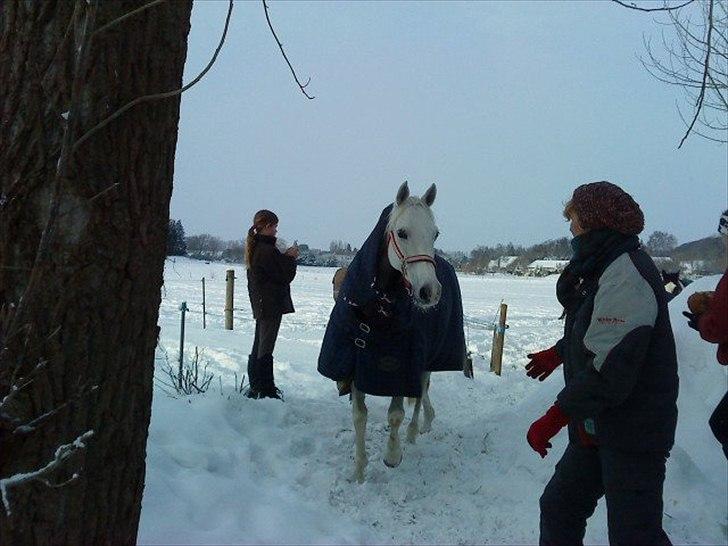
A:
<point x="671" y="277"/>
<point x="411" y="234"/>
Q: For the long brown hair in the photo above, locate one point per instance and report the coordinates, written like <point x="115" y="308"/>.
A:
<point x="261" y="219"/>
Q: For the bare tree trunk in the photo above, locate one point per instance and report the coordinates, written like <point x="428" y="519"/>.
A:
<point x="92" y="315"/>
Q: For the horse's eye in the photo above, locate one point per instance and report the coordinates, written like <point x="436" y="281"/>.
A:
<point x="437" y="234"/>
<point x="402" y="234"/>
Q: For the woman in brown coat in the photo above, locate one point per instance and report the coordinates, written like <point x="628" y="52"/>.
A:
<point x="270" y="274"/>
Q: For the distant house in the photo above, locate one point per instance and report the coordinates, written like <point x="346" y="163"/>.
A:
<point x="541" y="268"/>
<point x="694" y="268"/>
<point x="504" y="264"/>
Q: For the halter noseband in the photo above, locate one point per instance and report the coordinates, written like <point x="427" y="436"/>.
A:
<point x="404" y="260"/>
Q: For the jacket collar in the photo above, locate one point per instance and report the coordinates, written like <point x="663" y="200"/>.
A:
<point x="267" y="239"/>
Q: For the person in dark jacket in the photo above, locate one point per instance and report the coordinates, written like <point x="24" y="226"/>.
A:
<point x="270" y="274"/>
<point x="712" y="324"/>
<point x="620" y="369"/>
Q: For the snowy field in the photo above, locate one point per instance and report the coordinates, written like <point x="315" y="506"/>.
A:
<point x="222" y="469"/>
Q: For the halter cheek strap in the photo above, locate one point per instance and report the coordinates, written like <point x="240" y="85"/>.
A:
<point x="404" y="260"/>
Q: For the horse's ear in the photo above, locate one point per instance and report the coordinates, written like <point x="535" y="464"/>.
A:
<point x="430" y="195"/>
<point x="402" y="193"/>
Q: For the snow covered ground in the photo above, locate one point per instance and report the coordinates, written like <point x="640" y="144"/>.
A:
<point x="222" y="469"/>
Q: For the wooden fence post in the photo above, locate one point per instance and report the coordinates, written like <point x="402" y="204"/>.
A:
<point x="496" y="353"/>
<point x="204" y="311"/>
<point x="230" y="289"/>
<point x="182" y="308"/>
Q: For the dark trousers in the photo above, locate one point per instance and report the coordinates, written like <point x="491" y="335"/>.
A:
<point x="266" y="333"/>
<point x="631" y="482"/>
<point x="260" y="361"/>
<point x="719" y="423"/>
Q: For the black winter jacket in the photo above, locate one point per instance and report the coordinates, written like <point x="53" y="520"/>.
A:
<point x="620" y="364"/>
<point x="270" y="274"/>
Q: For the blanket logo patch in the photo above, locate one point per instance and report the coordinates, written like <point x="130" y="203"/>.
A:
<point x="611" y="320"/>
<point x="388" y="364"/>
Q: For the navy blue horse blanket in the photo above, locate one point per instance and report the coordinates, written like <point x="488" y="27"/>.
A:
<point x="380" y="338"/>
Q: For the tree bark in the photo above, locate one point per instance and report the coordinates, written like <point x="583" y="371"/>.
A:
<point x="92" y="315"/>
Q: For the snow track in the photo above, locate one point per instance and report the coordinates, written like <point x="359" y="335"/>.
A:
<point x="223" y="469"/>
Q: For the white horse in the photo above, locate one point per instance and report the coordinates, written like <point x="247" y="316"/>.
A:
<point x="409" y="250"/>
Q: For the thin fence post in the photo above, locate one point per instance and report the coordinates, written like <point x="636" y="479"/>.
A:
<point x="496" y="354"/>
<point x="204" y="311"/>
<point x="492" y="347"/>
<point x="184" y="309"/>
<point x="229" y="291"/>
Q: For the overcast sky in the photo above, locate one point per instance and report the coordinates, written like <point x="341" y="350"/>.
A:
<point x="507" y="106"/>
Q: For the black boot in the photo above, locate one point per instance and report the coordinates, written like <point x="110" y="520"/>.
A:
<point x="268" y="387"/>
<point x="253" y="390"/>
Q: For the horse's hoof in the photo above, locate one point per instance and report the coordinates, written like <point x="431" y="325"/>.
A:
<point x="392" y="465"/>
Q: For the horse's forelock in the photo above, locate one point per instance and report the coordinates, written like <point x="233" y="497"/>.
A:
<point x="398" y="211"/>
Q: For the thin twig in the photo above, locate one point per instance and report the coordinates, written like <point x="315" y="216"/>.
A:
<point x="126" y="16"/>
<point x="62" y="453"/>
<point x="301" y="86"/>
<point x="663" y="8"/>
<point x="35" y="423"/>
<point x="158" y="96"/>
<point x="699" y="103"/>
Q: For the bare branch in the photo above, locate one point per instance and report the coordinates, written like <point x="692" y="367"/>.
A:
<point x="158" y="96"/>
<point x="38" y="421"/>
<point x="301" y="86"/>
<point x="126" y="16"/>
<point x="634" y="6"/>
<point x="699" y="103"/>
<point x="61" y="454"/>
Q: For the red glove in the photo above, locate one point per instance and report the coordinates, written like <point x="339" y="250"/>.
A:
<point x="543" y="363"/>
<point x="545" y="428"/>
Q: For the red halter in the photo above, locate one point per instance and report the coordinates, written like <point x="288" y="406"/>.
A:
<point x="404" y="260"/>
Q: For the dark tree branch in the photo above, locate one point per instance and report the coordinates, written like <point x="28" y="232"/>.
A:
<point x="634" y="6"/>
<point x="126" y="16"/>
<point x="699" y="103"/>
<point x="703" y="135"/>
<point x="302" y="86"/>
<point x="158" y="96"/>
<point x="694" y="59"/>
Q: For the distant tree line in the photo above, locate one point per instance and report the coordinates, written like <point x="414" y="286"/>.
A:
<point x="340" y="247"/>
<point x="707" y="253"/>
<point x="552" y="249"/>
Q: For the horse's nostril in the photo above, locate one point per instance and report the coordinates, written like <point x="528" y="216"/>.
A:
<point x="425" y="293"/>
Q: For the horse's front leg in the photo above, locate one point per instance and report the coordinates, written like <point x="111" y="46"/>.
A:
<point x="395" y="416"/>
<point x="426" y="404"/>
<point x="359" y="414"/>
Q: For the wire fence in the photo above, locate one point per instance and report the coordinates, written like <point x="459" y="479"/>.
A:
<point x="469" y="321"/>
